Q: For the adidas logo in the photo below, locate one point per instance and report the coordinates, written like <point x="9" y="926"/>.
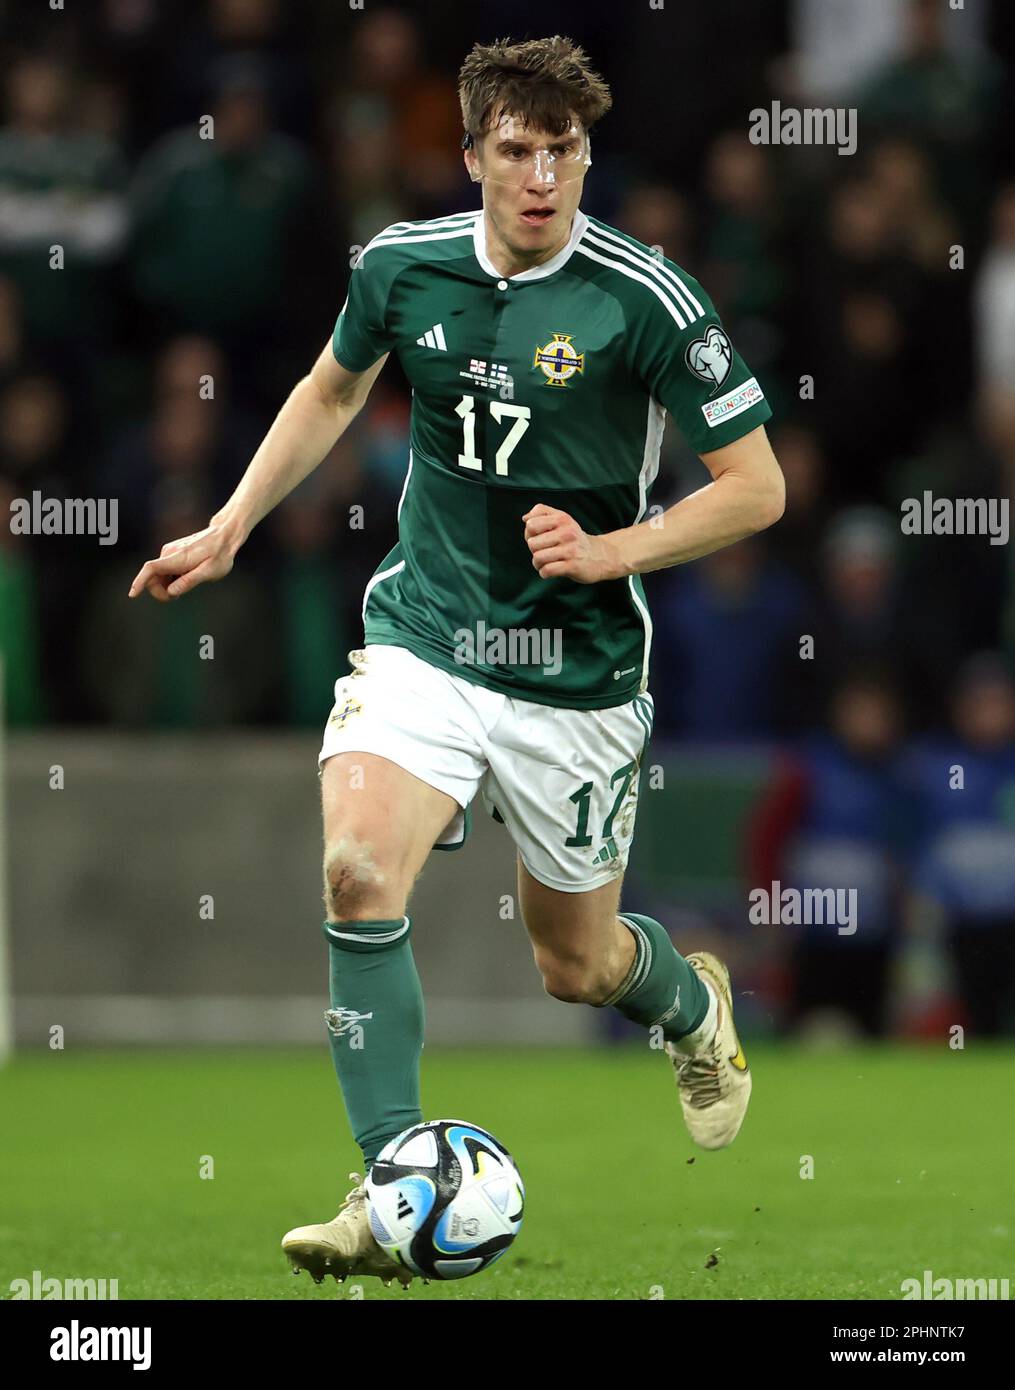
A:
<point x="404" y="1208"/>
<point x="433" y="338"/>
<point x="609" y="851"/>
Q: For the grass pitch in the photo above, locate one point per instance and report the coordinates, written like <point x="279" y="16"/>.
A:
<point x="102" y="1153"/>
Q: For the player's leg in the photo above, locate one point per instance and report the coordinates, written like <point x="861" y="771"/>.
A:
<point x="380" y="823"/>
<point x="399" y="760"/>
<point x="588" y="952"/>
<point x="399" y="763"/>
<point x="566" y="784"/>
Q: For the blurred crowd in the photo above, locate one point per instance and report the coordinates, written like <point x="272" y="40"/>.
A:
<point x="160" y="293"/>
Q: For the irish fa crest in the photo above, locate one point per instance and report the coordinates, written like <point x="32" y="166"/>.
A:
<point x="558" y="360"/>
<point x="339" y="716"/>
<point x="710" y="358"/>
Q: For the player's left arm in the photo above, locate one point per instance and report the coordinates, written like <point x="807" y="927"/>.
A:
<point x="747" y="493"/>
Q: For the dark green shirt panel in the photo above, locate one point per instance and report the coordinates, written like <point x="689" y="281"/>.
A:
<point x="466" y="567"/>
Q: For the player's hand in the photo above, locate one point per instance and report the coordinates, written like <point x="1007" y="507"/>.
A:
<point x="562" y="550"/>
<point x="185" y="563"/>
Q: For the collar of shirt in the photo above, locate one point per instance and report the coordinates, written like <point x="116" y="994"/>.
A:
<point x="536" y="272"/>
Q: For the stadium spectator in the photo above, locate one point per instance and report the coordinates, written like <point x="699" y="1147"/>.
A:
<point x="870" y="614"/>
<point x="394" y="130"/>
<point x="838" y="46"/>
<point x="730" y="629"/>
<point x="188" y="433"/>
<point x="802" y="459"/>
<point x="926" y="230"/>
<point x="214" y="219"/>
<point x="163" y="673"/>
<point x="36" y="456"/>
<point x="837" y="817"/>
<point x="902" y="183"/>
<point x="947" y="100"/>
<point x="739" y="240"/>
<point x="61" y="186"/>
<point x="966" y="861"/>
<point x="34" y="427"/>
<point x="230" y="30"/>
<point x="658" y="215"/>
<point x="868" y="363"/>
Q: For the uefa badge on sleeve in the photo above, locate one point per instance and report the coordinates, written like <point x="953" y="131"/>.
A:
<point x="710" y="358"/>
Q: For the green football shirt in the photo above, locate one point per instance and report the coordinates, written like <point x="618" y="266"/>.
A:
<point x="551" y="386"/>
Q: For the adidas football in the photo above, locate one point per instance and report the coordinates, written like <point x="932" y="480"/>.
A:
<point x="444" y="1199"/>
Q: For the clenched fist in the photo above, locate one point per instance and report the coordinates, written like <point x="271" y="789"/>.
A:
<point x="562" y="550"/>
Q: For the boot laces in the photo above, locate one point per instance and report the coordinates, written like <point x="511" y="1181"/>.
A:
<point x="701" y="1077"/>
<point x="376" y="1260"/>
<point x="357" y="1195"/>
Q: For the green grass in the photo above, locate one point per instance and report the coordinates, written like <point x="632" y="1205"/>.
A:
<point x="99" y="1172"/>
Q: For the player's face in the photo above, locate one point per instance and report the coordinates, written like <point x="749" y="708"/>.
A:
<point x="532" y="184"/>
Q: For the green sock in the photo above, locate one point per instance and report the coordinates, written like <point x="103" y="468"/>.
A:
<point x="660" y="988"/>
<point x="375" y="1028"/>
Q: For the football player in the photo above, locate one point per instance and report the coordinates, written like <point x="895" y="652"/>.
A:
<point x="506" y="636"/>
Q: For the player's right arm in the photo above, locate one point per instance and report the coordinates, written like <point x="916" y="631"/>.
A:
<point x="319" y="410"/>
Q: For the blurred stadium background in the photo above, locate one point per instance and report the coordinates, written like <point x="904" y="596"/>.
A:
<point x="169" y="890"/>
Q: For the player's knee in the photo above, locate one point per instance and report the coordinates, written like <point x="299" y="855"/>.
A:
<point x="356" y="885"/>
<point x="573" y="979"/>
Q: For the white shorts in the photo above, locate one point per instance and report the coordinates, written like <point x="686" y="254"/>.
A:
<point x="563" y="781"/>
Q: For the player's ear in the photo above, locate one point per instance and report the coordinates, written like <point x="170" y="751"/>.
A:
<point x="469" y="155"/>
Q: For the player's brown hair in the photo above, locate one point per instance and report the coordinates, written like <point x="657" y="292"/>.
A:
<point x="546" y="83"/>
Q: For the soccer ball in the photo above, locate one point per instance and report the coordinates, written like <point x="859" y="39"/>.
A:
<point x="444" y="1199"/>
